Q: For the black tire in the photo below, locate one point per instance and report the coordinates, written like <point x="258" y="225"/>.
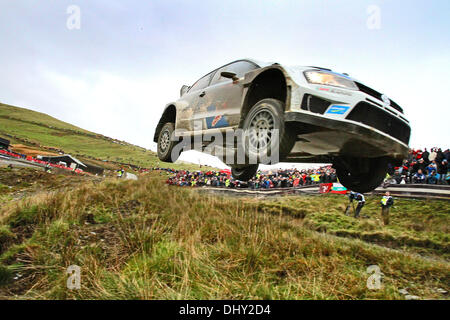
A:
<point x="361" y="174"/>
<point x="244" y="173"/>
<point x="166" y="143"/>
<point x="273" y="110"/>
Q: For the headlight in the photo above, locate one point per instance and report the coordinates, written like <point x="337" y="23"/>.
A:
<point x="329" y="79"/>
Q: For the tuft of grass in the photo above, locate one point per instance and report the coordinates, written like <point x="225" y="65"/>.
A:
<point x="26" y="216"/>
<point x="6" y="274"/>
<point x="5" y="234"/>
<point x="3" y="188"/>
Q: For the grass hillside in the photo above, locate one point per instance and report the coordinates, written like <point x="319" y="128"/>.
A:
<point x="40" y="131"/>
<point x="147" y="240"/>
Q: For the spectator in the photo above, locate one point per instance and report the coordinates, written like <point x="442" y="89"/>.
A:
<point x="442" y="170"/>
<point x="419" y="177"/>
<point x="432" y="155"/>
<point x="439" y="156"/>
<point x="431" y="167"/>
<point x="397" y="177"/>
<point x="425" y="156"/>
<point x="420" y="165"/>
<point x="432" y="178"/>
<point x="386" y="203"/>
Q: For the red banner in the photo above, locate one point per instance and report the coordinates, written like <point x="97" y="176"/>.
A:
<point x="325" y="187"/>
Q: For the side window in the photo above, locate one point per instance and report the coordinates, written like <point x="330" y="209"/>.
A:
<point x="202" y="83"/>
<point x="240" y="68"/>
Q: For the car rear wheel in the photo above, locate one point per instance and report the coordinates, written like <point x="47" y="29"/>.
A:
<point x="361" y="174"/>
<point x="260" y="126"/>
<point x="244" y="173"/>
<point x="166" y="144"/>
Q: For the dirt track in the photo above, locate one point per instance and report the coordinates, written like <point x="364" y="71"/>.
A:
<point x="19" y="182"/>
<point x="4" y="162"/>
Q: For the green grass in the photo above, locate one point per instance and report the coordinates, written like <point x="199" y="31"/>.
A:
<point x="3" y="188"/>
<point x="420" y="226"/>
<point x="34" y="116"/>
<point x="35" y="128"/>
<point x="153" y="241"/>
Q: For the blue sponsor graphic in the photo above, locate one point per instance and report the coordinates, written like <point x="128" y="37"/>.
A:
<point x="338" y="109"/>
<point x="216" y="122"/>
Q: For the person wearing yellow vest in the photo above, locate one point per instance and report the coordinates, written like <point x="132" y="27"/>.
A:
<point x="227" y="183"/>
<point x="386" y="203"/>
<point x="315" y="178"/>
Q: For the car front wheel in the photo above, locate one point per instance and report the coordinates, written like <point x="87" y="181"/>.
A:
<point x="267" y="138"/>
<point x="361" y="174"/>
<point x="244" y="173"/>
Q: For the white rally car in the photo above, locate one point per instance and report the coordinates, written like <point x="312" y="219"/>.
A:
<point x="321" y="116"/>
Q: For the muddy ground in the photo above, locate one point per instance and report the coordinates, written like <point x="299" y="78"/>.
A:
<point x="19" y="182"/>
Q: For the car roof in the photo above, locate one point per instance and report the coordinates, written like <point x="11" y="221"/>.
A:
<point x="258" y="63"/>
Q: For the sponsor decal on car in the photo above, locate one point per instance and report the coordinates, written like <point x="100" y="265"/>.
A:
<point x="216" y="122"/>
<point x="337" y="91"/>
<point x="386" y="100"/>
<point x="338" y="109"/>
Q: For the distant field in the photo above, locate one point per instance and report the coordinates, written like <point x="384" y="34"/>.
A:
<point x="35" y="128"/>
<point x="29" y="115"/>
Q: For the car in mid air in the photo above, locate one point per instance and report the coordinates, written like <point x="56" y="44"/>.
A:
<point x="320" y="116"/>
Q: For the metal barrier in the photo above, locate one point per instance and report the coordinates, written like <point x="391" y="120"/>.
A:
<point x="418" y="191"/>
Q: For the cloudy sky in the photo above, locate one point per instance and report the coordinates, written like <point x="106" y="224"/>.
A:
<point x="114" y="74"/>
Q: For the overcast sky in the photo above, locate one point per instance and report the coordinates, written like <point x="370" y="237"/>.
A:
<point x="115" y="73"/>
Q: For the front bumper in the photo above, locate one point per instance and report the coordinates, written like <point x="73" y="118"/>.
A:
<point x="321" y="138"/>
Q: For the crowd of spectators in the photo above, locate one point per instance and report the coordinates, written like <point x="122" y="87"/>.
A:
<point x="282" y="178"/>
<point x="422" y="167"/>
<point x="427" y="167"/>
<point x="146" y="170"/>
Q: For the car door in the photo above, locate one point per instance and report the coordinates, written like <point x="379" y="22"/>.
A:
<point x="186" y="119"/>
<point x="219" y="105"/>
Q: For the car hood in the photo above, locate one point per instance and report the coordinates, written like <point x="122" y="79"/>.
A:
<point x="296" y="72"/>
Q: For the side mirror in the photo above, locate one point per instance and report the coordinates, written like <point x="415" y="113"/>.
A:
<point x="230" y="75"/>
<point x="184" y="89"/>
